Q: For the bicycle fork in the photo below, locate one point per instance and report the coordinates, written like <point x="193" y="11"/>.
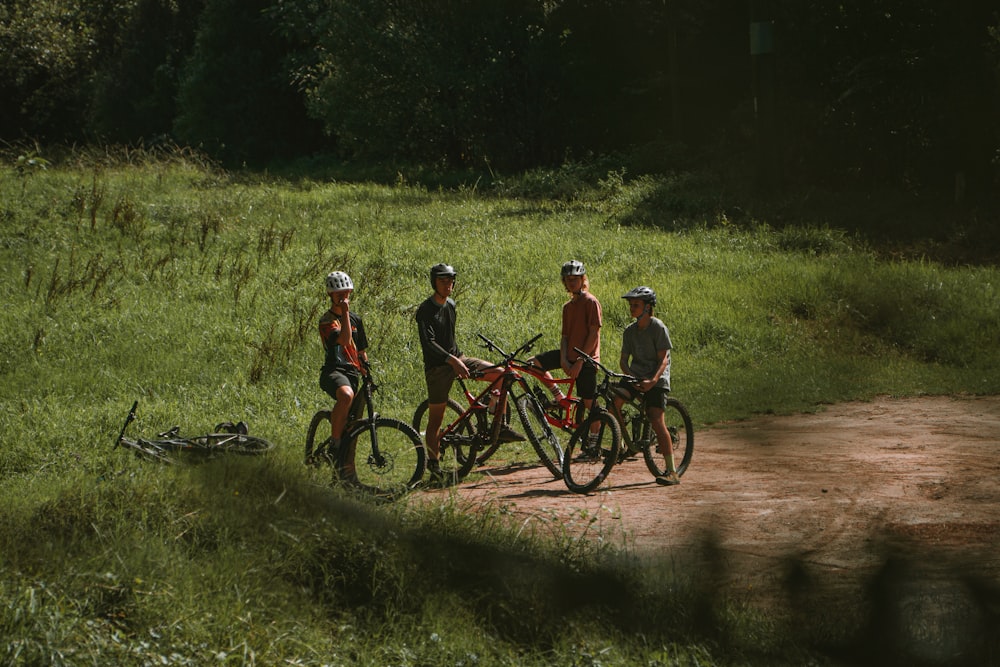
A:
<point x="128" y="420"/>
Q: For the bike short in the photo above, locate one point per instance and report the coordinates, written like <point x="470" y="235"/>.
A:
<point x="440" y="378"/>
<point x="586" y="381"/>
<point x="331" y="380"/>
<point x="654" y="398"/>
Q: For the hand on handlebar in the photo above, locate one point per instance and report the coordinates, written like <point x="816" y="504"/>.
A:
<point x="644" y="385"/>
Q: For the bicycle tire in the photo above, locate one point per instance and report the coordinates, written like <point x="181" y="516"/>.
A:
<point x="452" y="412"/>
<point x="397" y="466"/>
<point x="317" y="444"/>
<point x="231" y="443"/>
<point x="586" y="463"/>
<point x="540" y="434"/>
<point x="459" y="448"/>
<point x="679" y="425"/>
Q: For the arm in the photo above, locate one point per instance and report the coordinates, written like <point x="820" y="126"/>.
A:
<point x="589" y="346"/>
<point x="623" y="362"/>
<point x="649" y="383"/>
<point x="344" y="336"/>
<point x="428" y="340"/>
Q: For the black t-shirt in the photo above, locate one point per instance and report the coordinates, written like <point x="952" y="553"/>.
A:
<point x="436" y="327"/>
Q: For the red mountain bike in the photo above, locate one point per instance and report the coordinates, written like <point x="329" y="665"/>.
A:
<point x="473" y="433"/>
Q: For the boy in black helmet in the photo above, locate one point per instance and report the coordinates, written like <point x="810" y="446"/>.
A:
<point x="646" y="355"/>
<point x="443" y="361"/>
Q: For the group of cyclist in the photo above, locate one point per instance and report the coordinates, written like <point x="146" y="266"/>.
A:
<point x="645" y="354"/>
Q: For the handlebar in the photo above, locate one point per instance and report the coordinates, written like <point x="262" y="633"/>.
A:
<point x="631" y="379"/>
<point x="512" y="355"/>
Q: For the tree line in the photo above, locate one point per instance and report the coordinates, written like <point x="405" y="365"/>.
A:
<point x="901" y="93"/>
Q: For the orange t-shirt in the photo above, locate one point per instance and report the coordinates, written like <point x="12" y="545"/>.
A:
<point x="578" y="317"/>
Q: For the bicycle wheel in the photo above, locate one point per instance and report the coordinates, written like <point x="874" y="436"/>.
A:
<point x="459" y="447"/>
<point x="451" y="414"/>
<point x="388" y="455"/>
<point x="591" y="452"/>
<point x="232" y="443"/>
<point x="540" y="433"/>
<point x="317" y="438"/>
<point x="678" y="422"/>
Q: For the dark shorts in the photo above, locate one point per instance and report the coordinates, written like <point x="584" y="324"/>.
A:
<point x="440" y="378"/>
<point x="586" y="381"/>
<point x="331" y="380"/>
<point x="654" y="398"/>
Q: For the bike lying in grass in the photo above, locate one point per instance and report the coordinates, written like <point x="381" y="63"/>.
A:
<point x="474" y="433"/>
<point x="388" y="454"/>
<point x="608" y="435"/>
<point x="171" y="447"/>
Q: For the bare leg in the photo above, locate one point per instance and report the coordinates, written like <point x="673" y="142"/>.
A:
<point x="338" y="419"/>
<point x="548" y="381"/>
<point x="664" y="443"/>
<point x="435" y="415"/>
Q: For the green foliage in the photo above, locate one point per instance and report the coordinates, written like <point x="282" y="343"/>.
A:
<point x="234" y="97"/>
<point x="899" y="94"/>
<point x="198" y="292"/>
<point x="136" y="87"/>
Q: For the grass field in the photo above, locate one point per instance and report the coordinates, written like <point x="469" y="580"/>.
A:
<point x="197" y="293"/>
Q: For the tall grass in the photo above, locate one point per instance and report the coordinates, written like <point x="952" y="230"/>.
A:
<point x="198" y="293"/>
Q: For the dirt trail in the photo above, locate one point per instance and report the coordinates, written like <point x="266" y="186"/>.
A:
<point x="834" y="489"/>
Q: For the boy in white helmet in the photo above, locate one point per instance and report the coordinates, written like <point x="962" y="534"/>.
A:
<point x="345" y="343"/>
<point x="646" y="355"/>
<point x="581" y="328"/>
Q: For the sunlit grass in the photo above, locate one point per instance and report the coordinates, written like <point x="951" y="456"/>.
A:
<point x="198" y="293"/>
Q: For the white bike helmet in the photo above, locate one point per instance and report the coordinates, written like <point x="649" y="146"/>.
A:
<point x="338" y="281"/>
<point x="573" y="268"/>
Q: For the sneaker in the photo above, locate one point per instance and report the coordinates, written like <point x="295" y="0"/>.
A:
<point x="507" y="434"/>
<point x="436" y="478"/>
<point x="348" y="477"/>
<point x="668" y="479"/>
<point x="592" y="447"/>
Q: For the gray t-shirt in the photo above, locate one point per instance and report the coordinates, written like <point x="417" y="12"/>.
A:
<point x="641" y="347"/>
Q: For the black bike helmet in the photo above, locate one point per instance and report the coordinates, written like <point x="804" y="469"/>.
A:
<point x="573" y="268"/>
<point x="441" y="271"/>
<point x="642" y="293"/>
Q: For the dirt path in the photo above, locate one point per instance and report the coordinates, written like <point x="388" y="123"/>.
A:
<point x="834" y="489"/>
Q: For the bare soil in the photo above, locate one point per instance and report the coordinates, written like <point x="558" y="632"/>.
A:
<point x="831" y="496"/>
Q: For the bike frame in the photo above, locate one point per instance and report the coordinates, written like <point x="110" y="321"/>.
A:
<point x="565" y="418"/>
<point x="356" y="417"/>
<point x="605" y="391"/>
<point x="480" y="403"/>
<point x="510" y="369"/>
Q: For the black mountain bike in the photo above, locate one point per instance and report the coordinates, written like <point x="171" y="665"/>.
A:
<point x="388" y="454"/>
<point x="171" y="447"/>
<point x="608" y="436"/>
